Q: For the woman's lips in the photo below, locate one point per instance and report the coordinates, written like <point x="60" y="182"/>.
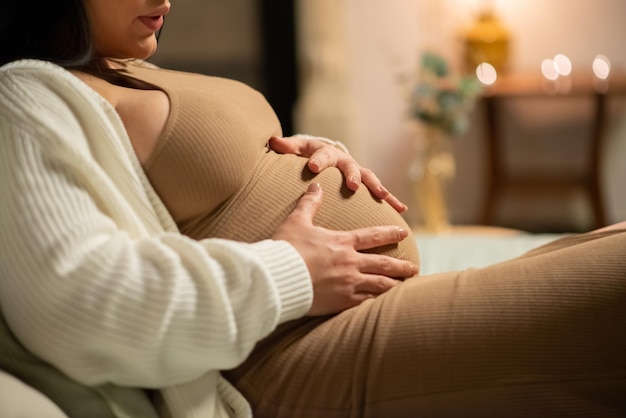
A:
<point x="154" y="23"/>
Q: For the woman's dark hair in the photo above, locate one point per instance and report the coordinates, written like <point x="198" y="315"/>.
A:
<point x="50" y="30"/>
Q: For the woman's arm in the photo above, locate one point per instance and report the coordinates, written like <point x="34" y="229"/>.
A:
<point x="90" y="281"/>
<point x="88" y="295"/>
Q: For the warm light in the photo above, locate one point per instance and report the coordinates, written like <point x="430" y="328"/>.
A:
<point x="549" y="69"/>
<point x="601" y="67"/>
<point x="563" y="64"/>
<point x="486" y="73"/>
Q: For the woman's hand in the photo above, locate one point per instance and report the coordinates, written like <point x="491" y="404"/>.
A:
<point x="322" y="155"/>
<point x="342" y="276"/>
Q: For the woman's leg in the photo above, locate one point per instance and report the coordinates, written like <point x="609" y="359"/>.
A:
<point x="541" y="335"/>
<point x="613" y="227"/>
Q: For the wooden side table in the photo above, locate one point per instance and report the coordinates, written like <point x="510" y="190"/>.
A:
<point x="520" y="86"/>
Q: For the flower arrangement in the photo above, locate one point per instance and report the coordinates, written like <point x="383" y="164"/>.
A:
<point x="440" y="100"/>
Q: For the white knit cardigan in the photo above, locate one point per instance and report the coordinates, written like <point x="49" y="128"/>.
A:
<point x="95" y="277"/>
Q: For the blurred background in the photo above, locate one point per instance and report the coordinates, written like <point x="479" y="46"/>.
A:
<point x="346" y="69"/>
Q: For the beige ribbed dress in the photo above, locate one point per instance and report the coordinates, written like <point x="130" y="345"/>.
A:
<point x="543" y="335"/>
<point x="216" y="175"/>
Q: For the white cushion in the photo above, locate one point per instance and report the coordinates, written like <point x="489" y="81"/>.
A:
<point x="18" y="400"/>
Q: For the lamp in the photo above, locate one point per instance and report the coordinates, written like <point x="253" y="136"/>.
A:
<point x="487" y="41"/>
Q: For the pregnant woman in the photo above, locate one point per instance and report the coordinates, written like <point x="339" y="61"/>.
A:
<point x="104" y="162"/>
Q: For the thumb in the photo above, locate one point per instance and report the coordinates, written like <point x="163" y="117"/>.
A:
<point x="309" y="203"/>
<point x="282" y="146"/>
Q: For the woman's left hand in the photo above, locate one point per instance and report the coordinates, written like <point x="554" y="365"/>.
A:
<point x="322" y="155"/>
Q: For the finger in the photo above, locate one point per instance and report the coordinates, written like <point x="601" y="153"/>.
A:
<point x="285" y="146"/>
<point x="396" y="203"/>
<point x="321" y="159"/>
<point x="375" y="285"/>
<point x="376" y="236"/>
<point x="379" y="267"/>
<point x="374" y="184"/>
<point x="351" y="171"/>
<point x="309" y="204"/>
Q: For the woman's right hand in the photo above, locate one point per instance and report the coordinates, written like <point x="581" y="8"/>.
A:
<point x="342" y="276"/>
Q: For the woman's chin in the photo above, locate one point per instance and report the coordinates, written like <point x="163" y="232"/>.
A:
<point x="141" y="51"/>
<point x="143" y="54"/>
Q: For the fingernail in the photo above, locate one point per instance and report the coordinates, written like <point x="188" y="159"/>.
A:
<point x="314" y="188"/>
<point x="403" y="232"/>
<point x="383" y="190"/>
<point x="355" y="180"/>
<point x="414" y="270"/>
<point x="314" y="164"/>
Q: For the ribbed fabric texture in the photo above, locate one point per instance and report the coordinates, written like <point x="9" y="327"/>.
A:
<point x="218" y="129"/>
<point x="97" y="281"/>
<point x="211" y="142"/>
<point x="543" y="335"/>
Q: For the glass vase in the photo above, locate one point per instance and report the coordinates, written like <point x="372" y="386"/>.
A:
<point x="432" y="170"/>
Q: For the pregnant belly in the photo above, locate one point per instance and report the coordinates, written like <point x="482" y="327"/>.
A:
<point x="272" y="192"/>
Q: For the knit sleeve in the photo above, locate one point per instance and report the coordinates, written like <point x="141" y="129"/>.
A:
<point x="109" y="305"/>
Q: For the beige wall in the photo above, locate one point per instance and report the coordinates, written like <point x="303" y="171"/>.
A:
<point x="579" y="28"/>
